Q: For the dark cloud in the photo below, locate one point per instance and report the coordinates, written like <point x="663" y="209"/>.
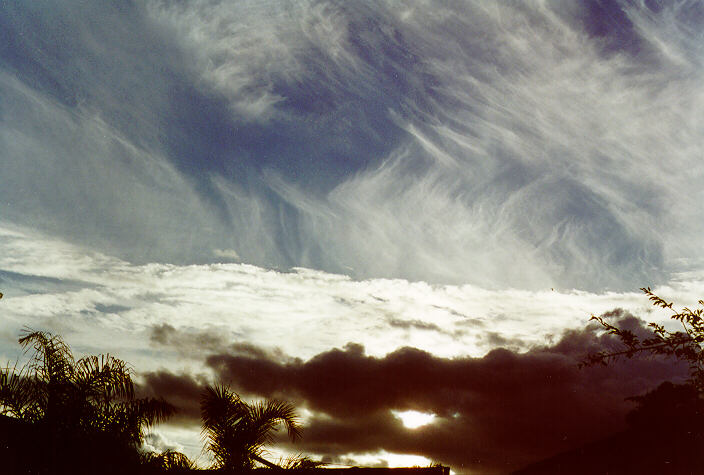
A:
<point x="181" y="390"/>
<point x="494" y="413"/>
<point x="197" y="342"/>
<point x="496" y="339"/>
<point x="162" y="334"/>
<point x="416" y="324"/>
<point x="466" y="320"/>
<point x="201" y="340"/>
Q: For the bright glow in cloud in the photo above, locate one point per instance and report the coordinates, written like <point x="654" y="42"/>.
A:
<point x="414" y="419"/>
<point x="395" y="460"/>
<point x="383" y="458"/>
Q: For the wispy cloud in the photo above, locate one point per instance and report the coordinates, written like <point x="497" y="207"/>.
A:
<point x="499" y="145"/>
<point x="540" y="162"/>
<point x="534" y="139"/>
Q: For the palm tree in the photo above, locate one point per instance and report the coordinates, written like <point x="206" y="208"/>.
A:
<point x="79" y="406"/>
<point x="236" y="431"/>
<point x="168" y="461"/>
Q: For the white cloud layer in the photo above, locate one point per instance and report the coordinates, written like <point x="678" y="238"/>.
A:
<point x="106" y="304"/>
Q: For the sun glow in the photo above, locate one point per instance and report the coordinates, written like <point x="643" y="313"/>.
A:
<point x="383" y="458"/>
<point x="414" y="419"/>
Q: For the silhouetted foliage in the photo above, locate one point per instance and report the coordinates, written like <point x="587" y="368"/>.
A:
<point x="236" y="431"/>
<point x="666" y="428"/>
<point x="668" y="407"/>
<point x="300" y="462"/>
<point x="82" y="412"/>
<point x="167" y="461"/>
<point x="664" y="436"/>
<point x="685" y="344"/>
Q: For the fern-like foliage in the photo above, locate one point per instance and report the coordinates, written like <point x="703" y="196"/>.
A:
<point x="685" y="344"/>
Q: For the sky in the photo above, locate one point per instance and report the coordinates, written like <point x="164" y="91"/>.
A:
<point x="365" y="208"/>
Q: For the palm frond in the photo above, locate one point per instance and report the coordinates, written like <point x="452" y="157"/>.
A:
<point x="106" y="376"/>
<point x="300" y="462"/>
<point x="269" y="414"/>
<point x="169" y="460"/>
<point x="19" y="394"/>
<point x="235" y="432"/>
<point x="52" y="356"/>
<point x="221" y="407"/>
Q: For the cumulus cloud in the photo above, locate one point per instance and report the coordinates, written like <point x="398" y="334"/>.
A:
<point x="493" y="413"/>
<point x="156" y="442"/>
<point x="165" y="334"/>
<point x="230" y="254"/>
<point x="181" y="390"/>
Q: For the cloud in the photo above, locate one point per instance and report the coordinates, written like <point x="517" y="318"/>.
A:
<point x="524" y="164"/>
<point x="493" y="413"/>
<point x="227" y="254"/>
<point x="89" y="183"/>
<point x="204" y="340"/>
<point x="108" y="143"/>
<point x="416" y="324"/>
<point x="269" y="333"/>
<point x="521" y="128"/>
<point x="506" y="146"/>
<point x="156" y="442"/>
<point x="81" y="293"/>
<point x="419" y="174"/>
<point x="181" y="390"/>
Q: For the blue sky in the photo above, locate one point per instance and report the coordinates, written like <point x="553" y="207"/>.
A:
<point x="392" y="173"/>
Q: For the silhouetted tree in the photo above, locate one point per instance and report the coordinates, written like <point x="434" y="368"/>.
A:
<point x="669" y="406"/>
<point x="82" y="408"/>
<point x="671" y="414"/>
<point x="167" y="461"/>
<point x="685" y="344"/>
<point x="236" y="431"/>
<point x="300" y="462"/>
